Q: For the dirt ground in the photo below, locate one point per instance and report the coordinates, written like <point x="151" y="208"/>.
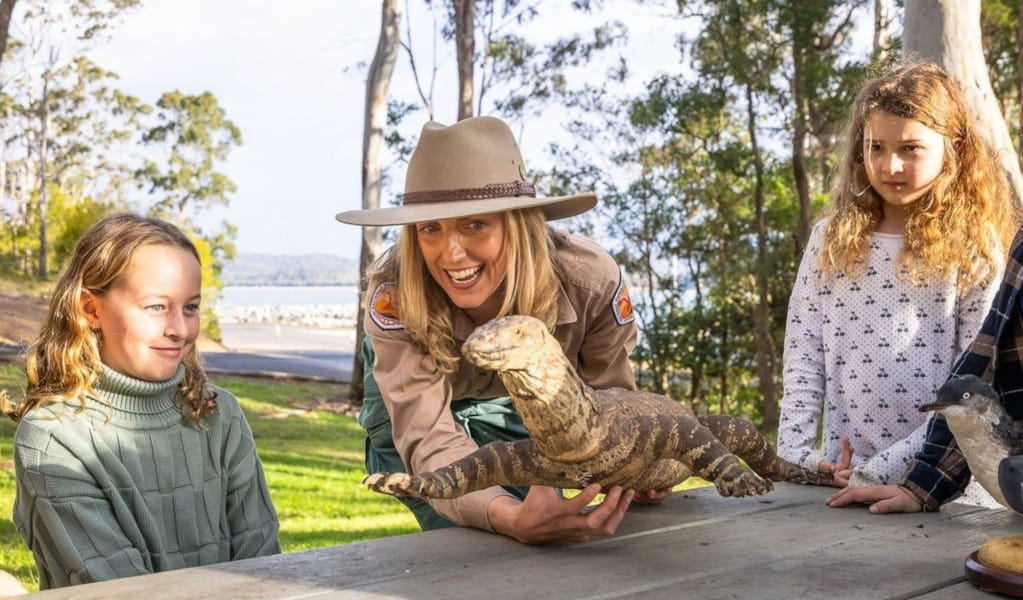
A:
<point x="21" y="316"/>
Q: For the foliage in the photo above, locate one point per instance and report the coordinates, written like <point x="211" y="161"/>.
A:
<point x="312" y="458"/>
<point x="197" y="134"/>
<point x="75" y="147"/>
<point x="75" y="219"/>
<point x="1000" y="23"/>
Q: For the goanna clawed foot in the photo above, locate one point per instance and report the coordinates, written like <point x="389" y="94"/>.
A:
<point x="747" y="483"/>
<point x="394" y="484"/>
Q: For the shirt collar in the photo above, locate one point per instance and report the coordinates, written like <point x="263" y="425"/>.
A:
<point x="463" y="326"/>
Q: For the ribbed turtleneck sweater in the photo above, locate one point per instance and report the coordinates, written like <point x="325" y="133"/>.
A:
<point x="124" y="487"/>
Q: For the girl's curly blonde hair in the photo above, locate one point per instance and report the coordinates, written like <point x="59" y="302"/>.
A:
<point x="962" y="226"/>
<point x="63" y="365"/>
<point x="530" y="286"/>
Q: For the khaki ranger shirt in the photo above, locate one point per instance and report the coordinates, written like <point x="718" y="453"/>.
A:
<point x="595" y="326"/>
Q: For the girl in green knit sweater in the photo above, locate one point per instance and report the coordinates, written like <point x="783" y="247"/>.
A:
<point x="128" y="460"/>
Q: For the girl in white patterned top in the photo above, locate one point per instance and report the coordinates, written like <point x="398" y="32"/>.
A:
<point x="895" y="280"/>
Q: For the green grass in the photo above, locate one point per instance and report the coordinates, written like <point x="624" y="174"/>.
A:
<point x="312" y="459"/>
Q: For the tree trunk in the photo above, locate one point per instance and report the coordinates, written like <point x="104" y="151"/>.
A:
<point x="6" y="10"/>
<point x="799" y="133"/>
<point x="44" y="139"/>
<point x="882" y="30"/>
<point x="377" y="83"/>
<point x="948" y="33"/>
<point x="762" y="312"/>
<point x="465" y="49"/>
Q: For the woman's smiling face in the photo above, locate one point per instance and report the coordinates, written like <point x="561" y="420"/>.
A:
<point x="467" y="258"/>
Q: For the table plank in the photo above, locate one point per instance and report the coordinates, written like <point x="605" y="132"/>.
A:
<point x="784" y="545"/>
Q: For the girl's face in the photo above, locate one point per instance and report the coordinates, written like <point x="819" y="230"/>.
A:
<point x="466" y="257"/>
<point x="149" y="318"/>
<point x="903" y="158"/>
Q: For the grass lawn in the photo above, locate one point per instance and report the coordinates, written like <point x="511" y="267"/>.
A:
<point x="312" y="459"/>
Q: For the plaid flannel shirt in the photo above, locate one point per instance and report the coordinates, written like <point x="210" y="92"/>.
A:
<point x="939" y="472"/>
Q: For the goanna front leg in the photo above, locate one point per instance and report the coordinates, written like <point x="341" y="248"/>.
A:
<point x="684" y="438"/>
<point x="496" y="463"/>
<point x="745" y="441"/>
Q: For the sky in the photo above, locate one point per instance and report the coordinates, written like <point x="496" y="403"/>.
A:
<point x="291" y="75"/>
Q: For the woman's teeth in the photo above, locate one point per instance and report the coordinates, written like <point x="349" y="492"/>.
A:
<point x="465" y="274"/>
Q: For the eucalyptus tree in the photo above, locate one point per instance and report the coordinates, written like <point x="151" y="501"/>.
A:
<point x="465" y="52"/>
<point x="6" y="12"/>
<point x="737" y="52"/>
<point x="693" y="269"/>
<point x="57" y="107"/>
<point x="377" y="85"/>
<point x="882" y="41"/>
<point x="817" y="36"/>
<point x="193" y="134"/>
<point x="771" y="74"/>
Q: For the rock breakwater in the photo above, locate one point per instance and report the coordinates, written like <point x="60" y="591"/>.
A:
<point x="322" y="316"/>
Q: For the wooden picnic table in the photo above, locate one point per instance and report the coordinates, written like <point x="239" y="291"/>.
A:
<point x="787" y="544"/>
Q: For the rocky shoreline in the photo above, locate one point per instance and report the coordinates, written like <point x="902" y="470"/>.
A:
<point x="321" y="316"/>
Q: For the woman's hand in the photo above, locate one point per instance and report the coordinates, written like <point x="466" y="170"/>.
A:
<point x="881" y="498"/>
<point x="840" y="470"/>
<point x="544" y="517"/>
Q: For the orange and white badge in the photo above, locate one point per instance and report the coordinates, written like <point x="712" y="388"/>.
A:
<point x="383" y="307"/>
<point x="621" y="304"/>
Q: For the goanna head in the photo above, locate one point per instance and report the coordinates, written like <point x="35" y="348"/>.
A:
<point x="513" y="343"/>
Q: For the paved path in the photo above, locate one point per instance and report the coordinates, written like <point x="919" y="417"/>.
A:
<point x="284" y="351"/>
<point x="268" y="351"/>
<point x="305" y="364"/>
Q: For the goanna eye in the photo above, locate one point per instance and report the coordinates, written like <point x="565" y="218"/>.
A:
<point x="966" y="395"/>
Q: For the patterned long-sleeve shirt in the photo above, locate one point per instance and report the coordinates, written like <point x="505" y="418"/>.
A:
<point x="863" y="352"/>
<point x="939" y="472"/>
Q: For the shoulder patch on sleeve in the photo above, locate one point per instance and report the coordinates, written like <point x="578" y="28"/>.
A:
<point x="621" y="304"/>
<point x="383" y="307"/>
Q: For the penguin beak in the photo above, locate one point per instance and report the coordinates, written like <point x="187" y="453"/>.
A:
<point x="934" y="406"/>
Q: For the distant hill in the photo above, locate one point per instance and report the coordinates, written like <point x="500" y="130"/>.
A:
<point x="301" y="269"/>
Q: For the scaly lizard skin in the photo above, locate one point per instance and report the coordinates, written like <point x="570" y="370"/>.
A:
<point x="579" y="436"/>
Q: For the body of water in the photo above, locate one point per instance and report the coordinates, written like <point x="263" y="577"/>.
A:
<point x="243" y="296"/>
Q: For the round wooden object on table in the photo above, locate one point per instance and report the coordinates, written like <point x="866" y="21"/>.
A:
<point x="993" y="579"/>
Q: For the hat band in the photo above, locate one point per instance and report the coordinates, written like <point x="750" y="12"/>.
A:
<point x="491" y="190"/>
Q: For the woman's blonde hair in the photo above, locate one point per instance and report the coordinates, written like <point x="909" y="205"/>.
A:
<point x="530" y="286"/>
<point x="964" y="223"/>
<point x="64" y="363"/>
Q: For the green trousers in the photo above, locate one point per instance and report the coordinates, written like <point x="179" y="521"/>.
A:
<point x="484" y="420"/>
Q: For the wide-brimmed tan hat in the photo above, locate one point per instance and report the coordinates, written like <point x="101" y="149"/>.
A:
<point x="473" y="167"/>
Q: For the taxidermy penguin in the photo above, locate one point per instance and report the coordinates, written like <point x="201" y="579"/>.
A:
<point x="988" y="437"/>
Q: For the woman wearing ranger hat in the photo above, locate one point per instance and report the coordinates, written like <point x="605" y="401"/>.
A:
<point x="475" y="245"/>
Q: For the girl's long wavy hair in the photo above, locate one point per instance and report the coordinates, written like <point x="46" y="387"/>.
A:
<point x="531" y="283"/>
<point x="962" y="226"/>
<point x="63" y="365"/>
